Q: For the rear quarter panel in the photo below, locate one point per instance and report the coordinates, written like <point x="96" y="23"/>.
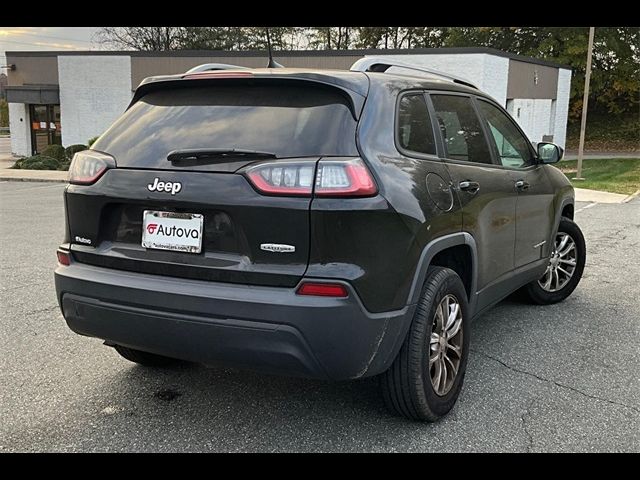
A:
<point x="376" y="243"/>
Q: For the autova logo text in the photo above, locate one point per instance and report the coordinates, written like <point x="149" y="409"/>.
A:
<point x="172" y="231"/>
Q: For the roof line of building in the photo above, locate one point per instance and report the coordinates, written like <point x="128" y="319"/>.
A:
<point x="290" y="53"/>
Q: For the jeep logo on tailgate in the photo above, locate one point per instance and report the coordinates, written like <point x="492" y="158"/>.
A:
<point x="169" y="187"/>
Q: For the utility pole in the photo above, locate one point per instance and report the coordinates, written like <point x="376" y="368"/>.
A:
<point x="585" y="101"/>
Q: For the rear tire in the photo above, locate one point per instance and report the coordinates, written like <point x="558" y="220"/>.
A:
<point x="147" y="359"/>
<point x="544" y="291"/>
<point x="411" y="387"/>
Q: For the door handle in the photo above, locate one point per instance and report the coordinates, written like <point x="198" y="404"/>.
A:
<point x="469" y="186"/>
<point x="522" y="185"/>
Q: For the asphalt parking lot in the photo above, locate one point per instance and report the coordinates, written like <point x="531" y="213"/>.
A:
<point x="557" y="378"/>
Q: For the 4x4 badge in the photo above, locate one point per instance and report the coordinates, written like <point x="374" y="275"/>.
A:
<point x="277" y="247"/>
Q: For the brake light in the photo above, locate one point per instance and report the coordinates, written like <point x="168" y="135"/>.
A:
<point x="323" y="289"/>
<point x="333" y="178"/>
<point x="344" y="178"/>
<point x="63" y="257"/>
<point x="283" y="178"/>
<point x="88" y="166"/>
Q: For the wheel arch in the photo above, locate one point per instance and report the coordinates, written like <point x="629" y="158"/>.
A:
<point x="566" y="208"/>
<point x="435" y="253"/>
<point x="435" y="247"/>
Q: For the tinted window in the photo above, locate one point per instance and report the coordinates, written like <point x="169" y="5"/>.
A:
<point x="290" y="121"/>
<point x="513" y="149"/>
<point x="461" y="129"/>
<point x="415" y="132"/>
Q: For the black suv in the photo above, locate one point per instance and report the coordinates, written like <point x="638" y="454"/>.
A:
<point x="327" y="224"/>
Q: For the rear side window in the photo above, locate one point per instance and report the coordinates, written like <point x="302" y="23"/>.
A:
<point x="287" y="120"/>
<point x="461" y="129"/>
<point x="415" y="132"/>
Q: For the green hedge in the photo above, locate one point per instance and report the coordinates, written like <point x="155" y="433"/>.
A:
<point x="54" y="151"/>
<point x="38" y="162"/>
<point x="53" y="157"/>
<point x="71" y="150"/>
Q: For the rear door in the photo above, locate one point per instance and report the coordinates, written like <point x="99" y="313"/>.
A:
<point x="486" y="191"/>
<point x="534" y="208"/>
<point x="248" y="236"/>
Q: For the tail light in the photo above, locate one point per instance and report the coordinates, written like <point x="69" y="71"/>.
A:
<point x="344" y="178"/>
<point x="88" y="166"/>
<point x="283" y="178"/>
<point x="63" y="257"/>
<point x="322" y="289"/>
<point x="333" y="178"/>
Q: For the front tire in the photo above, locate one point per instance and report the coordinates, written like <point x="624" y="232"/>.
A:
<point x="425" y="379"/>
<point x="565" y="267"/>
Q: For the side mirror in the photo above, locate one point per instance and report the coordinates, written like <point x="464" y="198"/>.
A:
<point x="549" y="152"/>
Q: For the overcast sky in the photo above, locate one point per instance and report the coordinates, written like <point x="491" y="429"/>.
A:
<point x="46" y="38"/>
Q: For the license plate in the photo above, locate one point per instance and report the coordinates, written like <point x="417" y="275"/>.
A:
<point x="180" y="232"/>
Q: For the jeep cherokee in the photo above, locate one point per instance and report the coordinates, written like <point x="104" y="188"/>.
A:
<point x="319" y="223"/>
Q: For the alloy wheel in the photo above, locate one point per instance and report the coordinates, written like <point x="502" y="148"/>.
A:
<point x="445" y="345"/>
<point x="562" y="264"/>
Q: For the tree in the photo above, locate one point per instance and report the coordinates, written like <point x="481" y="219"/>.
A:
<point x="616" y="59"/>
<point x="141" y="38"/>
<point x="615" y="87"/>
<point x="332" y="38"/>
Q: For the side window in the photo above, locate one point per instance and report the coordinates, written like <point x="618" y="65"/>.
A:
<point x="511" y="145"/>
<point x="461" y="129"/>
<point x="415" y="132"/>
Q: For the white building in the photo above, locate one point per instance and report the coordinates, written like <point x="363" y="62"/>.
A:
<point x="70" y="97"/>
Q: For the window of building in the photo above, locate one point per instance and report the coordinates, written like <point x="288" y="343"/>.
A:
<point x="45" y="126"/>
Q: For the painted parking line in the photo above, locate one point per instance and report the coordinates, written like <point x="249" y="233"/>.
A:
<point x="587" y="206"/>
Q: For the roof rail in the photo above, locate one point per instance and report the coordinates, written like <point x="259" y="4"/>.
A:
<point x="205" y="67"/>
<point x="382" y="64"/>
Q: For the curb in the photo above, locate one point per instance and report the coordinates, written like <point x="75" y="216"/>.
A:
<point x="55" y="176"/>
<point x="631" y="197"/>
<point x="598" y="196"/>
<point x="26" y="179"/>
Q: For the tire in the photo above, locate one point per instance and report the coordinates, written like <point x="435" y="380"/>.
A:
<point x="407" y="386"/>
<point x="535" y="292"/>
<point x="147" y="359"/>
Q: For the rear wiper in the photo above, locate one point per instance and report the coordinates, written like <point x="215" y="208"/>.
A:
<point x="200" y="156"/>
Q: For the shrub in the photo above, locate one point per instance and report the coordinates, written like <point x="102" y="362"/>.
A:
<point x="4" y="113"/>
<point x="65" y="165"/>
<point x="71" y="150"/>
<point x="54" y="151"/>
<point x="91" y="141"/>
<point x="38" y="162"/>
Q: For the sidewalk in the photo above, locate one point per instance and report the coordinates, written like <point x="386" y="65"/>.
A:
<point x="34" y="175"/>
<point x="573" y="155"/>
<point x="596" y="196"/>
<point x="6" y="159"/>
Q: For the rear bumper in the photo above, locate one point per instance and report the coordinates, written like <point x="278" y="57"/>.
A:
<point x="262" y="328"/>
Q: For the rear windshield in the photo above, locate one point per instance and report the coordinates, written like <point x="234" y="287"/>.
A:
<point x="289" y="121"/>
